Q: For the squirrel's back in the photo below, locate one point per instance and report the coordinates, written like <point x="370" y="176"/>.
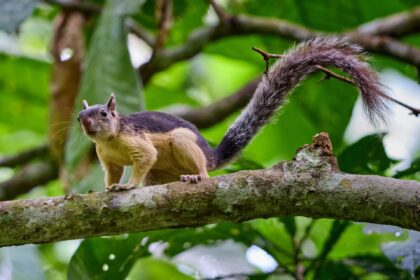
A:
<point x="159" y="122"/>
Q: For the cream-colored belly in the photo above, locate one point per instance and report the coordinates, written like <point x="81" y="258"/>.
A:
<point x="115" y="153"/>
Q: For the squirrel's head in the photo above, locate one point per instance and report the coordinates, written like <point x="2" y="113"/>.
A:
<point x="101" y="121"/>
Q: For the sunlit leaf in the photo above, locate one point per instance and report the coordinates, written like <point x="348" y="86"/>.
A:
<point x="106" y="258"/>
<point x="156" y="269"/>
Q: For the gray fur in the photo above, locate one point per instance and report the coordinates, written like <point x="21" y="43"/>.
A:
<point x="287" y="73"/>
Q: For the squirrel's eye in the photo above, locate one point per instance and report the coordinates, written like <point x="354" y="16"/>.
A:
<point x="103" y="114"/>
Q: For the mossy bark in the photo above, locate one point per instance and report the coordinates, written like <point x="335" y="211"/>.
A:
<point x="309" y="185"/>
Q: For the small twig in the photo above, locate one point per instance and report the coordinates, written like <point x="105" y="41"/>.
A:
<point x="414" y="111"/>
<point x="164" y="18"/>
<point x="329" y="74"/>
<point x="266" y="56"/>
<point x="224" y="18"/>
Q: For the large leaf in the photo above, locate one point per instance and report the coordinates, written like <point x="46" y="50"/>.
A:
<point x="356" y="267"/>
<point x="23" y="95"/>
<point x="93" y="257"/>
<point x="156" y="269"/>
<point x="412" y="170"/>
<point x="290" y="224"/>
<point x="108" y="69"/>
<point x="376" y="264"/>
<point x="366" y="156"/>
<point x="106" y="258"/>
<point x="337" y="230"/>
<point x="12" y="13"/>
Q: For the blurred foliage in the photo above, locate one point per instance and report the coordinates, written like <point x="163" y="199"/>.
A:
<point x="107" y="64"/>
<point x="366" y="156"/>
<point x="13" y="13"/>
<point x="327" y="249"/>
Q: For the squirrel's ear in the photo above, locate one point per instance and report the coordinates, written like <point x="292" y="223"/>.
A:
<point x="85" y="104"/>
<point x="112" y="103"/>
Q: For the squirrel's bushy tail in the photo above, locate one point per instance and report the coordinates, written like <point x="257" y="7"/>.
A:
<point x="287" y="73"/>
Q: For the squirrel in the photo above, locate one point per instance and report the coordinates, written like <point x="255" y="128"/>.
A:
<point x="163" y="148"/>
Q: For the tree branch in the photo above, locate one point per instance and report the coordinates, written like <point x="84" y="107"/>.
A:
<point x="396" y="25"/>
<point x="216" y="112"/>
<point x="309" y="185"/>
<point x="30" y="176"/>
<point x="164" y="19"/>
<point x="24" y="157"/>
<point x="224" y="18"/>
<point x="373" y="36"/>
<point x="245" y="25"/>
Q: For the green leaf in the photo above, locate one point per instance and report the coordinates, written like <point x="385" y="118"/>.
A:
<point x="188" y="15"/>
<point x="12" y="13"/>
<point x="378" y="264"/>
<point x="336" y="231"/>
<point x="355" y="242"/>
<point x="331" y="270"/>
<point x="106" y="258"/>
<point x="412" y="170"/>
<point x="290" y="224"/>
<point x="366" y="156"/>
<point x="156" y="269"/>
<point x="24" y="88"/>
<point x="335" y="234"/>
<point x="92" y="258"/>
<point x="94" y="253"/>
<point x="180" y="240"/>
<point x="108" y="69"/>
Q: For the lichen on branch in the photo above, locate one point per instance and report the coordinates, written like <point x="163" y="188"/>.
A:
<point x="309" y="185"/>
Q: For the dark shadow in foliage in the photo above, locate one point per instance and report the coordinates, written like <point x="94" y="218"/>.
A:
<point x="412" y="170"/>
<point x="359" y="266"/>
<point x="366" y="156"/>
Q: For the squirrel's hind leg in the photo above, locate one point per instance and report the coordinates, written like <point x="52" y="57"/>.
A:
<point x="189" y="155"/>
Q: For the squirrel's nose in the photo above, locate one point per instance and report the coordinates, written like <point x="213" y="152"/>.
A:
<point x="86" y="122"/>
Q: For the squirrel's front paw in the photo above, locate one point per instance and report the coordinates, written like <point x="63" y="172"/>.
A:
<point x="119" y="187"/>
